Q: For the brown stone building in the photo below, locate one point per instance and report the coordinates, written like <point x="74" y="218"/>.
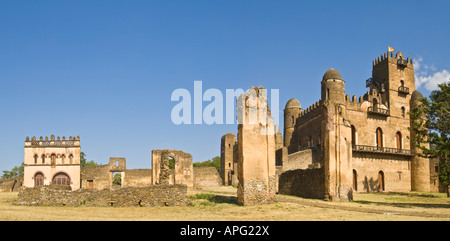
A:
<point x="342" y="144"/>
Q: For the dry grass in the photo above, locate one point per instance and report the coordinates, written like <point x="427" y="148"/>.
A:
<point x="219" y="204"/>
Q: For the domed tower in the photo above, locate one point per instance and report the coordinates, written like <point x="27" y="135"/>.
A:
<point x="333" y="87"/>
<point x="420" y="167"/>
<point x="291" y="113"/>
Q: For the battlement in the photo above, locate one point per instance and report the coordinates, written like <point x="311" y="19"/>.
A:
<point x="53" y="142"/>
<point x="309" y="113"/>
<point x="399" y="59"/>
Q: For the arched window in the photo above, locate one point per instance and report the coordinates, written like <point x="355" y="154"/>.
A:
<point x="403" y="112"/>
<point x="61" y="179"/>
<point x="398" y="140"/>
<point x="402" y="83"/>
<point x="375" y="104"/>
<point x="381" y="181"/>
<point x="43" y="158"/>
<point x="63" y="157"/>
<point x="53" y="160"/>
<point x="38" y="179"/>
<point x="35" y="159"/>
<point x="70" y="158"/>
<point x="353" y="136"/>
<point x="379" y="136"/>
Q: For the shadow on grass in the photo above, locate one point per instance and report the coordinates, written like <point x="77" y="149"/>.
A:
<point x="405" y="205"/>
<point x="224" y="199"/>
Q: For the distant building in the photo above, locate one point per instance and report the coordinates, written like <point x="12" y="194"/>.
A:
<point x="52" y="161"/>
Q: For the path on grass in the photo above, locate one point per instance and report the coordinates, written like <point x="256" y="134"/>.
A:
<point x="361" y="209"/>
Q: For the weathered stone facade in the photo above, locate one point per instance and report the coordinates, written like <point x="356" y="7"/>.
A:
<point x="256" y="149"/>
<point x="362" y="142"/>
<point x="183" y="173"/>
<point x="52" y="161"/>
<point x="150" y="196"/>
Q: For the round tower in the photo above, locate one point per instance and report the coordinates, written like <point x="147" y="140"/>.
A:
<point x="292" y="111"/>
<point x="333" y="87"/>
<point x="420" y="167"/>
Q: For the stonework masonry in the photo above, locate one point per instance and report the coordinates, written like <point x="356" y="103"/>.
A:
<point x="150" y="196"/>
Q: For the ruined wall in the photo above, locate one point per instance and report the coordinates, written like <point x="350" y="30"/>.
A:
<point x="183" y="172"/>
<point x="206" y="176"/>
<point x="11" y="185"/>
<point x="137" y="178"/>
<point x="307" y="183"/>
<point x="256" y="149"/>
<point x="158" y="195"/>
<point x="301" y="159"/>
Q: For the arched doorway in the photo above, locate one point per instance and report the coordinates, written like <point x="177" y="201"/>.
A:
<point x="381" y="181"/>
<point x="353" y="136"/>
<point x="61" y="179"/>
<point x="38" y="179"/>
<point x="379" y="135"/>
<point x="375" y="104"/>
<point x="398" y="138"/>
<point x="355" y="180"/>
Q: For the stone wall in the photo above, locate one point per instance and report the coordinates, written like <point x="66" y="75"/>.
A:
<point x="157" y="195"/>
<point x="11" y="185"/>
<point x="137" y="177"/>
<point x="307" y="183"/>
<point x="206" y="176"/>
<point x="301" y="159"/>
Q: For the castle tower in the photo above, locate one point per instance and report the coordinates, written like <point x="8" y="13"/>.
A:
<point x="291" y="113"/>
<point x="393" y="78"/>
<point x="227" y="160"/>
<point x="420" y="167"/>
<point x="333" y="87"/>
<point x="336" y="138"/>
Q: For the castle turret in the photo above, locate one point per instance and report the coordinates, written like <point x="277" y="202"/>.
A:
<point x="336" y="138"/>
<point x="333" y="87"/>
<point x="420" y="167"/>
<point x="291" y="113"/>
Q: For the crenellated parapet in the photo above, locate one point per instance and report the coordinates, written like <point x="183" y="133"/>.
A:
<point x="52" y="141"/>
<point x="308" y="113"/>
<point x="398" y="59"/>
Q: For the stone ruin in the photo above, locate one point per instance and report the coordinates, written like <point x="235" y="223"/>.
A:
<point x="256" y="149"/>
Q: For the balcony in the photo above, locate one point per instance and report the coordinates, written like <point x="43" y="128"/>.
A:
<point x="403" y="90"/>
<point x="382" y="150"/>
<point x="378" y="111"/>
<point x="402" y="62"/>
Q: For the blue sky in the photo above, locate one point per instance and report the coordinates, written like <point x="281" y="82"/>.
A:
<point x="105" y="70"/>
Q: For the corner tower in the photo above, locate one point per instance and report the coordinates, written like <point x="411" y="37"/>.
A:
<point x="393" y="78"/>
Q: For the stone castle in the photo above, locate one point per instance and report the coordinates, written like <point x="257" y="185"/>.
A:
<point x="344" y="144"/>
<point x="335" y="147"/>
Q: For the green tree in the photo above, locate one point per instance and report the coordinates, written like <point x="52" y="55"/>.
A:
<point x="215" y="162"/>
<point x="85" y="163"/>
<point x="117" y="179"/>
<point x="432" y="132"/>
<point x="15" y="172"/>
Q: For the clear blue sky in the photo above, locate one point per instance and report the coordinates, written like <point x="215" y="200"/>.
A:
<point x="105" y="70"/>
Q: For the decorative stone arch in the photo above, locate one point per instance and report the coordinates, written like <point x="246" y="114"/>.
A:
<point x="182" y="173"/>
<point x="38" y="178"/>
<point x="61" y="178"/>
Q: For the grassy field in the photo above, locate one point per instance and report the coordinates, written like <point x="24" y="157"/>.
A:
<point x="219" y="204"/>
